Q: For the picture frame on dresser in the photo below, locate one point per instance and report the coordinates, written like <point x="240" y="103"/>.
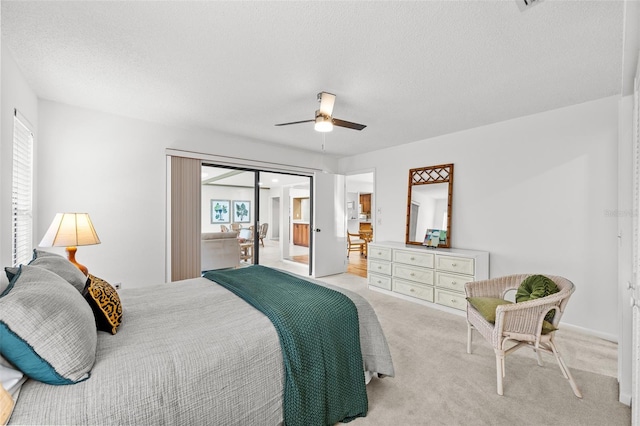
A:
<point x="434" y="237"/>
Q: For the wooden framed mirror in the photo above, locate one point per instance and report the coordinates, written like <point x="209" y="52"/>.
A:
<point x="430" y="192"/>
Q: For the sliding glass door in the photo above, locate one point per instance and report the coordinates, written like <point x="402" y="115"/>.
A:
<point x="271" y="211"/>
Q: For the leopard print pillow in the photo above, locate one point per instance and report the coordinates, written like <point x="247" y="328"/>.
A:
<point x="105" y="302"/>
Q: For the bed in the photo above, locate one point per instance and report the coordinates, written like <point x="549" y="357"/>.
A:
<point x="187" y="352"/>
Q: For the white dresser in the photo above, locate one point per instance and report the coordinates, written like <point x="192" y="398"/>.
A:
<point x="425" y="274"/>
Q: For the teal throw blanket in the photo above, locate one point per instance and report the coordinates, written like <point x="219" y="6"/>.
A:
<point x="320" y="340"/>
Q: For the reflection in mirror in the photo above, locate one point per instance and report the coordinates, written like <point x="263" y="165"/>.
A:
<point x="429" y="206"/>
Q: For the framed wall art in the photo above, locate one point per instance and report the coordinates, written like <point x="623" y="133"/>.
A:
<point x="241" y="211"/>
<point x="220" y="211"/>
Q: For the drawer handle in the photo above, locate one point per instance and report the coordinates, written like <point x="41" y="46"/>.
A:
<point x="413" y="258"/>
<point x="379" y="282"/>
<point x="412" y="274"/>
<point x="411" y="289"/>
<point x="454" y="283"/>
<point x="379" y="267"/>
<point x="379" y="253"/>
<point x="453" y="300"/>
<point x="454" y="264"/>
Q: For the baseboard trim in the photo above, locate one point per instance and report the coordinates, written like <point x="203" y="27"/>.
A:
<point x="625" y="399"/>
<point x="571" y="327"/>
<point x="606" y="336"/>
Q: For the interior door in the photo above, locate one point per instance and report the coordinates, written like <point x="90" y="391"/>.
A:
<point x="329" y="254"/>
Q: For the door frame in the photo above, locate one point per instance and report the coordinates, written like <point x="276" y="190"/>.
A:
<point x="231" y="163"/>
<point x="375" y="213"/>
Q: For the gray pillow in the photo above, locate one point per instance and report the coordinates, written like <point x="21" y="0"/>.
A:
<point x="11" y="271"/>
<point x="47" y="329"/>
<point x="61" y="266"/>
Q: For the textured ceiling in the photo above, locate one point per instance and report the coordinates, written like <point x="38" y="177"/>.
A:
<point x="408" y="70"/>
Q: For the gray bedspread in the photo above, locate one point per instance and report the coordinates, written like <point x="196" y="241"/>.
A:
<point x="188" y="352"/>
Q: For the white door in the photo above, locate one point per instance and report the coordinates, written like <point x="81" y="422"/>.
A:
<point x="329" y="225"/>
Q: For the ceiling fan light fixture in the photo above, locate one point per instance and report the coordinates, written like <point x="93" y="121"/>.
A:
<point x="324" y="120"/>
<point x="323" y="123"/>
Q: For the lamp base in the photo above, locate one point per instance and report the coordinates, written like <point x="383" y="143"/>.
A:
<point x="71" y="255"/>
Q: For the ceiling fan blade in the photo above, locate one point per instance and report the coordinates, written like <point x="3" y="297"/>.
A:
<point x="326" y="103"/>
<point x="347" y="124"/>
<point x="295" y="122"/>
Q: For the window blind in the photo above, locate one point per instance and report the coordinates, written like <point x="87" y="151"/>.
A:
<point x="22" y="191"/>
<point x="186" y="191"/>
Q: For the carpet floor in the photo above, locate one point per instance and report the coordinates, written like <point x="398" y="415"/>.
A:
<point x="437" y="382"/>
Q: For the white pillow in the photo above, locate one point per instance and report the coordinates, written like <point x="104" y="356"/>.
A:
<point x="11" y="378"/>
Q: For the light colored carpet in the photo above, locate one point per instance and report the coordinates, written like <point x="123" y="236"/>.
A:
<point x="437" y="382"/>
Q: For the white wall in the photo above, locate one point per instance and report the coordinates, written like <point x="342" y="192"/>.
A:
<point x="536" y="192"/>
<point x="359" y="186"/>
<point x="114" y="168"/>
<point x="625" y="214"/>
<point x="16" y="93"/>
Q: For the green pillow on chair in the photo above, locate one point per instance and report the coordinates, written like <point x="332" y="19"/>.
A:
<point x="535" y="287"/>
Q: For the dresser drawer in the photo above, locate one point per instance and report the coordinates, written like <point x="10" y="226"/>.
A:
<point x="452" y="281"/>
<point x="377" y="252"/>
<point x="382" y="281"/>
<point x="460" y="265"/>
<point x="412" y="289"/>
<point x="451" y="299"/>
<point x="424" y="260"/>
<point x="421" y="275"/>
<point x="379" y="267"/>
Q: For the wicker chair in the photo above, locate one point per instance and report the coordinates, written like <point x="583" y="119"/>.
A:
<point x="262" y="233"/>
<point x="520" y="323"/>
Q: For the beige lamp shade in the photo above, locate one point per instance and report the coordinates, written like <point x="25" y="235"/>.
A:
<point x="70" y="230"/>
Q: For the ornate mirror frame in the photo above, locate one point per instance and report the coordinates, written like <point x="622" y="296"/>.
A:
<point x="442" y="173"/>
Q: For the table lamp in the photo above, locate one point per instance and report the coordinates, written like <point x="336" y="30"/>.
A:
<point x="70" y="230"/>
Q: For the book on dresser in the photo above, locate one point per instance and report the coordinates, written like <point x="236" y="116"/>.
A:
<point x="425" y="275"/>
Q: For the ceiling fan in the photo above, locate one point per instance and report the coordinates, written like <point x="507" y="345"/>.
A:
<point x="324" y="122"/>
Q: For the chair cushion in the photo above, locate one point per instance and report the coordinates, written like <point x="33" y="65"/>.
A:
<point x="535" y="287"/>
<point x="245" y="234"/>
<point x="486" y="306"/>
